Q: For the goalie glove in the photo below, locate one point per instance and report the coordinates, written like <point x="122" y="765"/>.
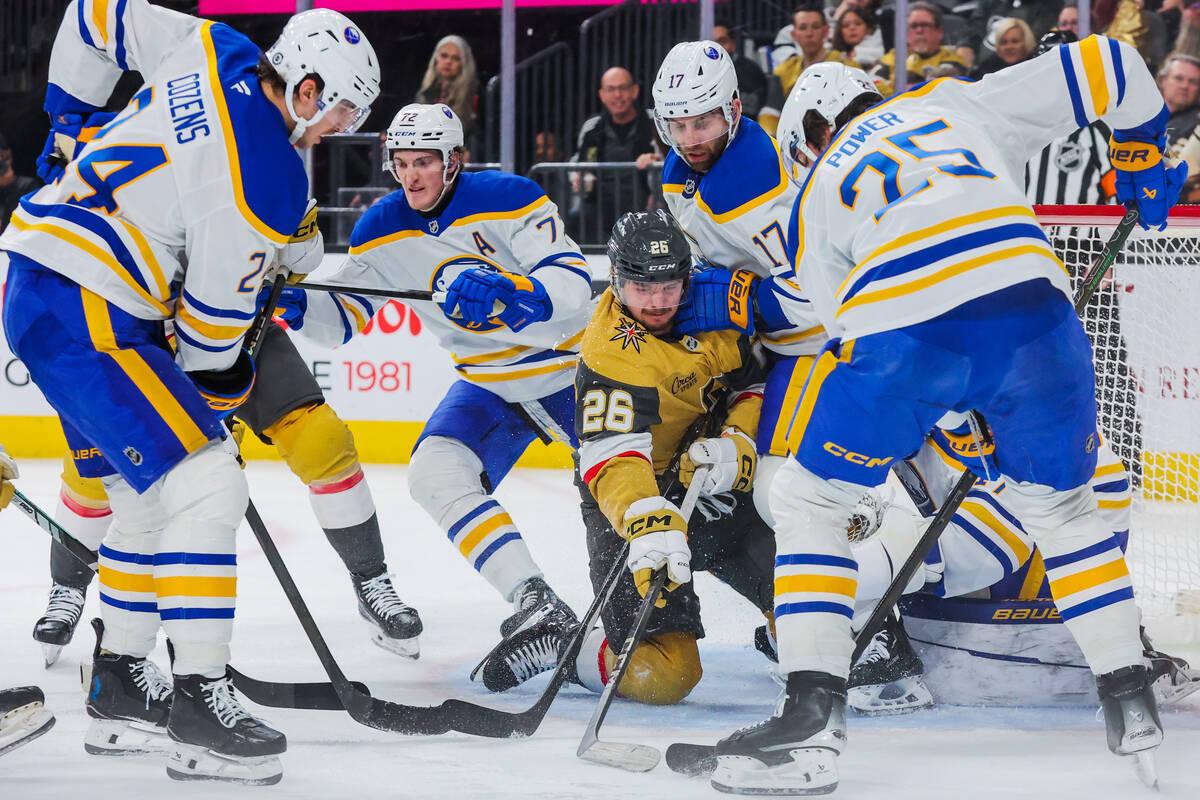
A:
<point x="481" y="296"/>
<point x="657" y="535"/>
<point x="8" y="471"/>
<point x="226" y="389"/>
<point x="732" y="458"/>
<point x="305" y="248"/>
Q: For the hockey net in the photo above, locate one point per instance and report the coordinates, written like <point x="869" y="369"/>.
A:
<point x="1144" y="324"/>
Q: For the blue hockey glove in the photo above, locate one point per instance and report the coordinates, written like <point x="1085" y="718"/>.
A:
<point x="1143" y="179"/>
<point x="960" y="444"/>
<point x="226" y="389"/>
<point x="290" y="307"/>
<point x="718" y="300"/>
<point x="475" y="293"/>
<point x="73" y="123"/>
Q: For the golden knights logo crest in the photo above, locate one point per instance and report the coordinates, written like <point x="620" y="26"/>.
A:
<point x="629" y="333"/>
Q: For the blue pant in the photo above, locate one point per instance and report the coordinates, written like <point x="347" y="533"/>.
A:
<point x="109" y="375"/>
<point x="1019" y="356"/>
<point x="492" y="428"/>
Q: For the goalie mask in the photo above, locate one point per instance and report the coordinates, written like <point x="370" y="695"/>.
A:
<point x="650" y="261"/>
<point x="325" y="43"/>
<point x="696" y="80"/>
<point x="825" y="89"/>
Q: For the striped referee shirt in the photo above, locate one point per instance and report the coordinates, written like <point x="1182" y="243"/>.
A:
<point x="1069" y="170"/>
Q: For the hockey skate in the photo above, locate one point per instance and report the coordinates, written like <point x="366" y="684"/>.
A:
<point x="1171" y="677"/>
<point x="1131" y="718"/>
<point x="395" y="625"/>
<point x="23" y="717"/>
<point x="214" y="738"/>
<point x="534" y="637"/>
<point x="888" y="676"/>
<point x="794" y="752"/>
<point x="128" y="701"/>
<point x="55" y="629"/>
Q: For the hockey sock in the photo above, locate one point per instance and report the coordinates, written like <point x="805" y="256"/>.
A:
<point x="346" y="511"/>
<point x="128" y="602"/>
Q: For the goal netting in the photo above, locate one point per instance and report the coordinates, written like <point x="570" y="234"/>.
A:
<point x="1144" y="324"/>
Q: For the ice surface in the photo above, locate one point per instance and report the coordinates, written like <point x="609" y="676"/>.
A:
<point x="949" y="752"/>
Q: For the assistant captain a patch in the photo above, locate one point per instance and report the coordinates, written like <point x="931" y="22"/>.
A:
<point x="629" y="333"/>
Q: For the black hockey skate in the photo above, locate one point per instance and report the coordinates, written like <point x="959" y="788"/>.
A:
<point x="128" y="701"/>
<point x="534" y="637"/>
<point x="1171" y="676"/>
<point x="1131" y="718"/>
<point x="55" y="629"/>
<point x="395" y="625"/>
<point x="888" y="677"/>
<point x="216" y="739"/>
<point x="794" y="752"/>
<point x="23" y="717"/>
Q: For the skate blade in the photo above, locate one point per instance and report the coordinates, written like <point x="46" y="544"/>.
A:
<point x="50" y="653"/>
<point x="811" y="771"/>
<point x="409" y="648"/>
<point x="24" y="724"/>
<point x="193" y="763"/>
<point x="622" y="755"/>
<point x="118" y="737"/>
<point x="903" y="696"/>
<point x="1145" y="768"/>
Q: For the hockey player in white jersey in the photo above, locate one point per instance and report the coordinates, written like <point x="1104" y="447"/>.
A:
<point x="516" y="304"/>
<point x="173" y="211"/>
<point x="915" y="244"/>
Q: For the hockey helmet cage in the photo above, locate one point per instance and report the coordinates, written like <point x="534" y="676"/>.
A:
<point x="648" y="247"/>
<point x="694" y="78"/>
<point x="826" y="88"/>
<point x="424" y="127"/>
<point x="328" y="44"/>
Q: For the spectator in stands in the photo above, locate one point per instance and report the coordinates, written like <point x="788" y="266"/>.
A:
<point x="12" y="185"/>
<point x="1014" y="44"/>
<point x="450" y="78"/>
<point x="1068" y="18"/>
<point x="856" y="33"/>
<point x="1040" y="15"/>
<point x="623" y="131"/>
<point x="545" y="150"/>
<point x="1179" y="82"/>
<point x="885" y="19"/>
<point x="1127" y="21"/>
<point x="752" y="82"/>
<point x="926" y="56"/>
<point x="1187" y="41"/>
<point x="810" y="31"/>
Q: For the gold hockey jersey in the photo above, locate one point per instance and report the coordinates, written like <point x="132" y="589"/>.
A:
<point x="637" y="395"/>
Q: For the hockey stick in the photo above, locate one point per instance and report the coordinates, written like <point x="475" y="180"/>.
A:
<point x="317" y="696"/>
<point x="452" y="714"/>
<point x="695" y="759"/>
<point x="399" y="294"/>
<point x="633" y="757"/>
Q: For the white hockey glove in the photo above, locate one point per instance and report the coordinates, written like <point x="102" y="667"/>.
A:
<point x="880" y="555"/>
<point x="732" y="458"/>
<point x="305" y="248"/>
<point x="657" y="534"/>
<point x="8" y="471"/>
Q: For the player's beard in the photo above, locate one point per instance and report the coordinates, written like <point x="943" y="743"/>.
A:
<point x="712" y="150"/>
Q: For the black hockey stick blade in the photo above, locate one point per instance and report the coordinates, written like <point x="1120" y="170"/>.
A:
<point x="693" y="760"/>
<point x="318" y="696"/>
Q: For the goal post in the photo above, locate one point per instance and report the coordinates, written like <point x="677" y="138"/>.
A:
<point x="1144" y="325"/>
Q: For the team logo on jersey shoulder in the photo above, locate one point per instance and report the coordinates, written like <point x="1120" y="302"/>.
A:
<point x="629" y="333"/>
<point x="689" y="188"/>
<point x="444" y="275"/>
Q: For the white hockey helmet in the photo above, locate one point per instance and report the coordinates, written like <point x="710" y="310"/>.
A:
<point x="328" y="44"/>
<point x="826" y="88"/>
<point x="695" y="78"/>
<point x="424" y="127"/>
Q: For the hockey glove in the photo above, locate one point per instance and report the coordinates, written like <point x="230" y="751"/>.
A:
<point x="226" y="389"/>
<point x="480" y="296"/>
<point x="8" y="471"/>
<point x="291" y="306"/>
<point x="1143" y="178"/>
<point x="960" y="443"/>
<point x="718" y="300"/>
<point x="305" y="248"/>
<point x="657" y="534"/>
<point x="72" y="127"/>
<point x="732" y="458"/>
